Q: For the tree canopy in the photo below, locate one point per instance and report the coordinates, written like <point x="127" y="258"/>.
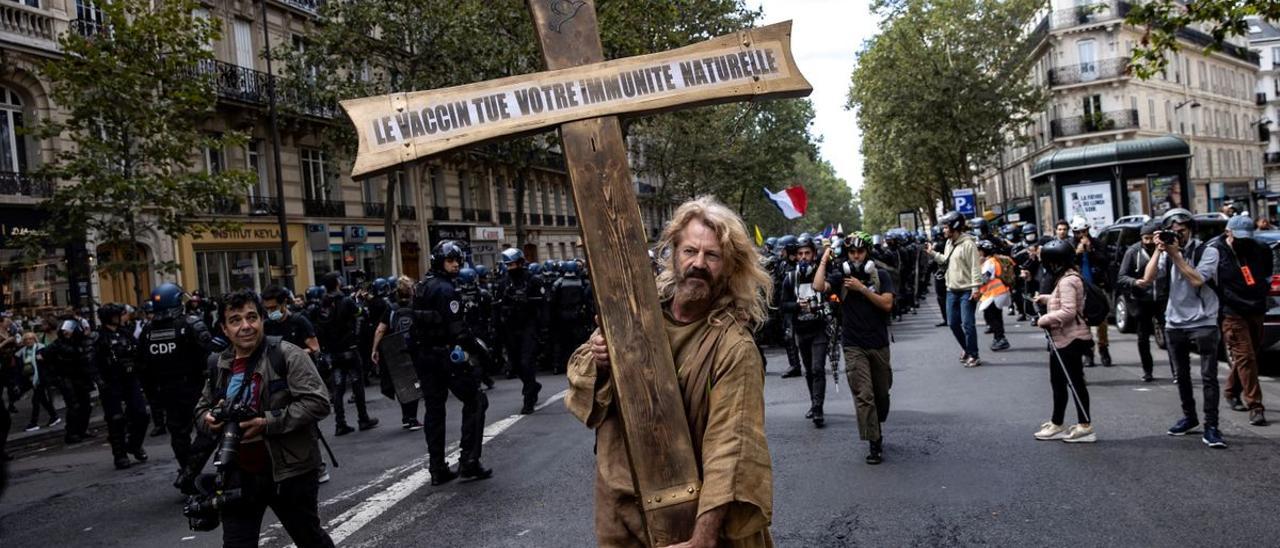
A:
<point x="1164" y="18"/>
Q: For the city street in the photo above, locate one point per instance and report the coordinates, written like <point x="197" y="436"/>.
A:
<point x="961" y="468"/>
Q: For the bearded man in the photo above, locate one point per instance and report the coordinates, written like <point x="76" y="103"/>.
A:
<point x="713" y="293"/>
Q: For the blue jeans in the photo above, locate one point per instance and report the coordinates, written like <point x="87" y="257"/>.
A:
<point x="961" y="311"/>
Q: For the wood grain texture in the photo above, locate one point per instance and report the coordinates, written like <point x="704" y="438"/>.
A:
<point x="644" y="375"/>
<point x="384" y="144"/>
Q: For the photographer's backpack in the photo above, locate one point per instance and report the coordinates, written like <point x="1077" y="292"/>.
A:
<point x="1097" y="305"/>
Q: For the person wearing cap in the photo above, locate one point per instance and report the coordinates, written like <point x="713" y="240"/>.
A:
<point x="1092" y="261"/>
<point x="1244" y="281"/>
<point x="1139" y="296"/>
<point x="1191" y="317"/>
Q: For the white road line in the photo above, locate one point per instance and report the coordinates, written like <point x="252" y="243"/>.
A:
<point x="378" y="503"/>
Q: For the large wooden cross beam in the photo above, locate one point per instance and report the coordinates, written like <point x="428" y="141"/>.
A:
<point x="582" y="94"/>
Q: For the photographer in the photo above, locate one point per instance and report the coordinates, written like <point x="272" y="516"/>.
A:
<point x="1092" y="262"/>
<point x="1138" y="294"/>
<point x="866" y="299"/>
<point x="272" y="392"/>
<point x="805" y="305"/>
<point x="1191" y="317"/>
<point x="963" y="278"/>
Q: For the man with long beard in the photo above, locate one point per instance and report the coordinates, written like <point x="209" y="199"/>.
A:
<point x="713" y="294"/>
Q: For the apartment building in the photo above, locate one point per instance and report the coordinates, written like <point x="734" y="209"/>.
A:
<point x="1080" y="53"/>
<point x="1264" y="39"/>
<point x="332" y="222"/>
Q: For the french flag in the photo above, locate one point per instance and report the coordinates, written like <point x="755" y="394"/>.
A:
<point x="792" y="201"/>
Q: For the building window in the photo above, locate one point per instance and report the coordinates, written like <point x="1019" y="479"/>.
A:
<point x="222" y="272"/>
<point x="500" y="184"/>
<point x="437" y="187"/>
<point x="1151" y="113"/>
<point x="369" y="190"/>
<point x="1204" y="81"/>
<point x="215" y="161"/>
<point x="315" y="182"/>
<point x="258" y="167"/>
<point x="465" y="182"/>
<point x="13" y="146"/>
<point x="399" y="182"/>
<point x="546" y="199"/>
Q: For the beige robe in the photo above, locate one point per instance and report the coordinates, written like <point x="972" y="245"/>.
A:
<point x="728" y="433"/>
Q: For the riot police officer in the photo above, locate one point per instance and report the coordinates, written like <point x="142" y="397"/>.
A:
<point x="336" y="328"/>
<point x="790" y="246"/>
<point x="521" y="295"/>
<point x="72" y="370"/>
<point x="125" y="409"/>
<point x="572" y="307"/>
<point x="476" y="308"/>
<point x="175" y="348"/>
<point x="441" y="343"/>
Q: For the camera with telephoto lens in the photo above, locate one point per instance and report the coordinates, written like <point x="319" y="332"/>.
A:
<point x="1167" y="237"/>
<point x="219" y="490"/>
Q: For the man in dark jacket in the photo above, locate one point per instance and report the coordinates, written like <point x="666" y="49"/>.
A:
<point x="1244" y="281"/>
<point x="1138" y="296"/>
<point x="336" y="328"/>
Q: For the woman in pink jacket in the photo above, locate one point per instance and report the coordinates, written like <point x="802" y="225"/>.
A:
<point x="1071" y="339"/>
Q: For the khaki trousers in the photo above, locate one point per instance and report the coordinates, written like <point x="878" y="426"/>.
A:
<point x="869" y="379"/>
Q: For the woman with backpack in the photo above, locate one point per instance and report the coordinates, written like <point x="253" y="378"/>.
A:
<point x="1069" y="340"/>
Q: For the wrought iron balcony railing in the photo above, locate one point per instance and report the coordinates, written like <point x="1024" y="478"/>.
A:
<point x="324" y="208"/>
<point x="228" y="206"/>
<point x="440" y="213"/>
<point x="1098" y="12"/>
<point x="1094" y="123"/>
<point x="375" y="209"/>
<point x="1271" y="158"/>
<point x="246" y="85"/>
<point x="1087" y="72"/>
<point x="264" y="205"/>
<point x="22" y="184"/>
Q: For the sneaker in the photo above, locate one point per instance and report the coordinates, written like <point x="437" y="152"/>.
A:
<point x="1000" y="344"/>
<point x="964" y="358"/>
<point x="1257" y="418"/>
<point x="121" y="462"/>
<point x="987" y="331"/>
<point x="1049" y="431"/>
<point x="1213" y="438"/>
<point x="1236" y="404"/>
<point x="56" y="421"/>
<point x="1184" y="426"/>
<point x="324" y="473"/>
<point x="1080" y="434"/>
<point x="973" y="362"/>
<point x="1104" y="355"/>
<point x="412" y="425"/>
<point x="31" y="428"/>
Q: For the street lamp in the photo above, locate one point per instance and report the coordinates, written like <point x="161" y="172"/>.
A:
<point x="1182" y="128"/>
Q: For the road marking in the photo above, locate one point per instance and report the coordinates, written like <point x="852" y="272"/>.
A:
<point x="357" y="517"/>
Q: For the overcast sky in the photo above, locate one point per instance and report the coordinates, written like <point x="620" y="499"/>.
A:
<point x="826" y="34"/>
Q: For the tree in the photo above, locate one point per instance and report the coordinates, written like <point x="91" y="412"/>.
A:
<point x="938" y="92"/>
<point x="1164" y="18"/>
<point x="135" y="101"/>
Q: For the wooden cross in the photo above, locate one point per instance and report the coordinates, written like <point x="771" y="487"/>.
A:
<point x="583" y="94"/>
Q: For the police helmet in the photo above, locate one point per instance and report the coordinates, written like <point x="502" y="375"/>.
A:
<point x="1008" y="230"/>
<point x="1030" y="229"/>
<point x="1177" y="215"/>
<point x="467" y="276"/>
<point x="805" y="240"/>
<point x="314" y="294"/>
<point x="110" y="311"/>
<point x="535" y="268"/>
<point x="444" y="250"/>
<point x="512" y="255"/>
<point x="550" y="266"/>
<point x="166" y="296"/>
<point x="952" y="220"/>
<point x="770" y="243"/>
<point x="482" y="271"/>
<point x="979" y="224"/>
<point x="1057" y="254"/>
<point x="382" y="286"/>
<point x="789" y="243"/>
<point x="148" y="308"/>
<point x="569" y="268"/>
<point x="986" y="246"/>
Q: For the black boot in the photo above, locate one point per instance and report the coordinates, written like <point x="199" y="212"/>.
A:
<point x="474" y="471"/>
<point x="367" y="424"/>
<point x="442" y="475"/>
<point x="121" y="461"/>
<point x="876" y="454"/>
<point x="140" y="454"/>
<point x="818" y="420"/>
<point x="791" y="373"/>
<point x="809" y="414"/>
<point x="343" y="429"/>
<point x="1104" y="353"/>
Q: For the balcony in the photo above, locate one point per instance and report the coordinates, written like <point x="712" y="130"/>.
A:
<point x="1260" y="98"/>
<point x="408" y="213"/>
<point x="1264" y="133"/>
<point x="311" y="7"/>
<point x="1087" y="72"/>
<point x="504" y="217"/>
<point x="1099" y="12"/>
<point x="226" y="206"/>
<point x="1271" y="158"/>
<point x="1094" y="123"/>
<point x="30" y="26"/>
<point x="324" y="208"/>
<point x="23" y="184"/>
<point x="377" y="210"/>
<point x="440" y="213"/>
<point x="252" y="87"/>
<point x="261" y="206"/>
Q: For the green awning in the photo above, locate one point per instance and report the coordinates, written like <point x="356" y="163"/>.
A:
<point x="1108" y="154"/>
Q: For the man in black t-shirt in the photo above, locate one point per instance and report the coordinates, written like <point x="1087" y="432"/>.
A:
<point x="866" y="297"/>
<point x="282" y="322"/>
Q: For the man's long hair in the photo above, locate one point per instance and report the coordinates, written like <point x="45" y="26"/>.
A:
<point x="745" y="287"/>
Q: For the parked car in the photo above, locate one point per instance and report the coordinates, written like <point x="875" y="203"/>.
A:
<point x="1115" y="239"/>
<point x="1133" y="219"/>
<point x="1271" y="324"/>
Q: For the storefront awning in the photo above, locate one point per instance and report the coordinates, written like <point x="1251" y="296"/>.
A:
<point x="1108" y="154"/>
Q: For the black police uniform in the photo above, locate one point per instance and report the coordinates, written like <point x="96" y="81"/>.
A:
<point x="438" y="327"/>
<point x="125" y="409"/>
<point x="572" y="310"/>
<point x="336" y="323"/>
<point x="175" y="353"/>
<point x="785" y="266"/>
<point x="522" y="296"/>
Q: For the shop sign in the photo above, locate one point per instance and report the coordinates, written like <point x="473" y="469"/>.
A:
<point x="17" y="221"/>
<point x="484" y="249"/>
<point x="449" y="232"/>
<point x="354" y="234"/>
<point x="488" y="233"/>
<point x="246" y="233"/>
<point x="318" y="237"/>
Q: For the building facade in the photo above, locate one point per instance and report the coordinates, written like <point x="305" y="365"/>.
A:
<point x="1079" y="53"/>
<point x="332" y="222"/>
<point x="1264" y="39"/>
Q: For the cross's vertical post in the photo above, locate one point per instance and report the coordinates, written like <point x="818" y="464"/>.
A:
<point x="644" y="376"/>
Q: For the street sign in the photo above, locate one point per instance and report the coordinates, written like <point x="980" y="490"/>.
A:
<point x="965" y="202"/>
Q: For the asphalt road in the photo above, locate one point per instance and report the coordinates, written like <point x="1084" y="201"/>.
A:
<point x="961" y="468"/>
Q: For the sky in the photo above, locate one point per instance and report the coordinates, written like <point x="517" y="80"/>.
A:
<point x="826" y="35"/>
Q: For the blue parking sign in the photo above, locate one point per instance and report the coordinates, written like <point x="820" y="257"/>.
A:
<point x="964" y="201"/>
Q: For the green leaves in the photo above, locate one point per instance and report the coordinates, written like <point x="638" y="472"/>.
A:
<point x="1162" y="20"/>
